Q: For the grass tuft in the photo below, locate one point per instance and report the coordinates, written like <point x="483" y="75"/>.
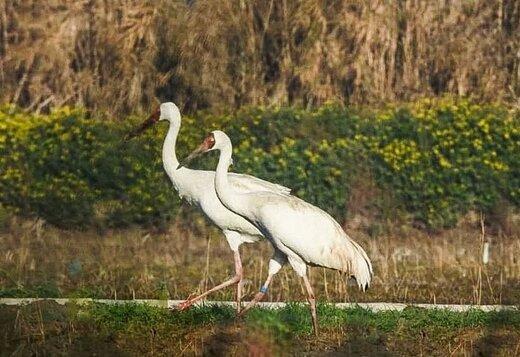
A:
<point x="142" y="329"/>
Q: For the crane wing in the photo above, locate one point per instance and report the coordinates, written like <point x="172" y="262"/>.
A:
<point x="247" y="183"/>
<point x="312" y="234"/>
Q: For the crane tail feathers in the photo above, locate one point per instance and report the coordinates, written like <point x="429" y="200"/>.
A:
<point x="356" y="263"/>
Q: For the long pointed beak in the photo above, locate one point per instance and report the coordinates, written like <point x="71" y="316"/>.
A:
<point x="152" y="119"/>
<point x="195" y="153"/>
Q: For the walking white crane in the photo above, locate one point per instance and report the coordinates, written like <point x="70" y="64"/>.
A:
<point x="198" y="188"/>
<point x="300" y="232"/>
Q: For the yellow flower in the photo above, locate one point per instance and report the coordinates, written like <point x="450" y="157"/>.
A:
<point x="443" y="162"/>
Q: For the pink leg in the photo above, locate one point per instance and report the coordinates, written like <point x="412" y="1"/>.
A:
<point x="312" y="303"/>
<point x="238" y="268"/>
<point x="234" y="280"/>
<point x="259" y="296"/>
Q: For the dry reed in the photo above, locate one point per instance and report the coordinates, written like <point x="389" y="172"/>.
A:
<point x="410" y="266"/>
<point x="120" y="56"/>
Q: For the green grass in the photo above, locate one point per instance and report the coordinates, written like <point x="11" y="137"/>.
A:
<point x="39" y="290"/>
<point x="294" y="319"/>
<point x="48" y="328"/>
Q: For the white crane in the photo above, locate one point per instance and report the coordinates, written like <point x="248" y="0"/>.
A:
<point x="300" y="232"/>
<point x="198" y="188"/>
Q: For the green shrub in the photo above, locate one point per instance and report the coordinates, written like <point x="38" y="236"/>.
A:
<point x="45" y="161"/>
<point x="438" y="158"/>
<point x="445" y="157"/>
<point x="145" y="195"/>
<point x="63" y="167"/>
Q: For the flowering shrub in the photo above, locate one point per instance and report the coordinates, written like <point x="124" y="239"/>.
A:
<point x="438" y="158"/>
<point x="46" y="162"/>
<point x="444" y="157"/>
<point x="69" y="169"/>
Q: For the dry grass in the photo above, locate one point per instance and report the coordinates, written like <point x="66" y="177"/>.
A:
<point x="118" y="56"/>
<point x="410" y="266"/>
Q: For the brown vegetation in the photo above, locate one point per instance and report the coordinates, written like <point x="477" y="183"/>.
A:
<point x="120" y="56"/>
<point x="135" y="263"/>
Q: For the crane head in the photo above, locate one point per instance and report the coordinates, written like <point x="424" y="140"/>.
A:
<point x="207" y="145"/>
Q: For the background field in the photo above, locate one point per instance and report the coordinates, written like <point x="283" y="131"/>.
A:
<point x="423" y="186"/>
<point x="409" y="266"/>
<point x="399" y="118"/>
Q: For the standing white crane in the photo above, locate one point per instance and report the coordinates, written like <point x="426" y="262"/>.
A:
<point x="300" y="232"/>
<point x="198" y="188"/>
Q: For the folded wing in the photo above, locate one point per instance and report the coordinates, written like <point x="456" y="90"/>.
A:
<point x="246" y="184"/>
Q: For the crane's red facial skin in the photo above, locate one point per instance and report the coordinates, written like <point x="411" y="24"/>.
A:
<point x="152" y="119"/>
<point x="209" y="142"/>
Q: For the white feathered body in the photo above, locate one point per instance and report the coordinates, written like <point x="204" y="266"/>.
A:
<point x="296" y="227"/>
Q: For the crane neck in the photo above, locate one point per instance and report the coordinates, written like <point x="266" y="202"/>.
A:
<point x="169" y="156"/>
<point x="224" y="190"/>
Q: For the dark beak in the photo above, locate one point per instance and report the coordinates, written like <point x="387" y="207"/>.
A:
<point x="152" y="119"/>
<point x="194" y="154"/>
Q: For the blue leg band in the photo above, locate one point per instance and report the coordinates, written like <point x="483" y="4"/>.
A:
<point x="263" y="289"/>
